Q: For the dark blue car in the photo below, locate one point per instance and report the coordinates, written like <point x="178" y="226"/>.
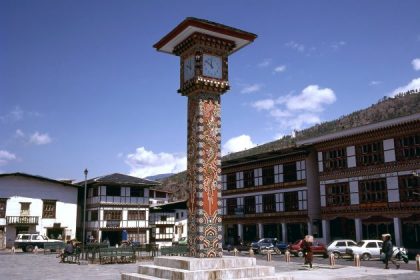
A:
<point x="265" y="244"/>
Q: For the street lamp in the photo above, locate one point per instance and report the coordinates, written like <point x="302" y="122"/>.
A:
<point x="84" y="209"/>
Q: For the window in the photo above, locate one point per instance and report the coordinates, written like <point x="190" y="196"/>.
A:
<point x="95" y="191"/>
<point x="269" y="203"/>
<point x="371" y="245"/>
<point x="3" y="204"/>
<point x="136" y="215"/>
<point x="289" y="172"/>
<point x="408" y="147"/>
<point x="340" y="244"/>
<point x="94" y="215"/>
<point x="338" y="194"/>
<point x="160" y="194"/>
<point x="249" y="202"/>
<point x="373" y="191"/>
<point x="291" y="201"/>
<point x="163" y="218"/>
<point x="231" y="181"/>
<point x="113" y="215"/>
<point x="24" y="208"/>
<point x="113" y="190"/>
<point x="177" y="215"/>
<point x="249" y="178"/>
<point x="370" y="154"/>
<point x="268" y="175"/>
<point x="334" y="159"/>
<point x="48" y="209"/>
<point x="136" y="192"/>
<point x="409" y="188"/>
<point x="231" y="206"/>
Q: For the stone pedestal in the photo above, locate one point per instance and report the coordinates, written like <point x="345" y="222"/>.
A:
<point x="187" y="268"/>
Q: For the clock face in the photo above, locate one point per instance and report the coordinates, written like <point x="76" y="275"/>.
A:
<point x="212" y="66"/>
<point x="189" y="69"/>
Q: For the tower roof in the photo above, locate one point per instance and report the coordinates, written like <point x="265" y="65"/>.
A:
<point x="192" y="25"/>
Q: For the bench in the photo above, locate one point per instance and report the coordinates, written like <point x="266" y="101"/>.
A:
<point x="176" y="250"/>
<point x="73" y="258"/>
<point x="116" y="255"/>
<point x="92" y="250"/>
<point x="53" y="247"/>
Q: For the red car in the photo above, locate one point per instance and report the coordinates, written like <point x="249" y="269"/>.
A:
<point x="317" y="249"/>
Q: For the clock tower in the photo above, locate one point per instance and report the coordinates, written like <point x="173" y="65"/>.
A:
<point x="203" y="47"/>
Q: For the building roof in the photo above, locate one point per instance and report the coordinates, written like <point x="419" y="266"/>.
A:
<point x="180" y="204"/>
<point x="120" y="179"/>
<point x="192" y="25"/>
<point x="37" y="177"/>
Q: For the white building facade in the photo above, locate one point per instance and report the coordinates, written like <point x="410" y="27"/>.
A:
<point x="34" y="204"/>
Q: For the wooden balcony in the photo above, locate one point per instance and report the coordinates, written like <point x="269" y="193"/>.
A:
<point x="22" y="220"/>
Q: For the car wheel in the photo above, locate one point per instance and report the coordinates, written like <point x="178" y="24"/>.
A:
<point x="337" y="255"/>
<point x="366" y="257"/>
<point x="277" y="251"/>
<point x="29" y="248"/>
<point x="300" y="254"/>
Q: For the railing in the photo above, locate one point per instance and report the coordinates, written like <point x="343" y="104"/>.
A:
<point x="22" y="220"/>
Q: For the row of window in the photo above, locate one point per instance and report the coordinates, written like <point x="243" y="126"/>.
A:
<point x="48" y="208"/>
<point x="268" y="203"/>
<point x="406" y="148"/>
<point x="268" y="175"/>
<point x="116" y="191"/>
<point x="132" y="215"/>
<point x="371" y="191"/>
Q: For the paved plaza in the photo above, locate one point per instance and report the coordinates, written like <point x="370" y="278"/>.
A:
<point x="26" y="266"/>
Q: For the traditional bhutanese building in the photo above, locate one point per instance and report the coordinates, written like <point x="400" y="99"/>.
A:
<point x="354" y="177"/>
<point x="118" y="204"/>
<point x="369" y="172"/>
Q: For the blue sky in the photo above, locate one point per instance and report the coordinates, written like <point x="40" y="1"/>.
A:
<point x="82" y="87"/>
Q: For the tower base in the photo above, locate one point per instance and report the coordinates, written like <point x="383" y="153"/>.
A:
<point x="187" y="268"/>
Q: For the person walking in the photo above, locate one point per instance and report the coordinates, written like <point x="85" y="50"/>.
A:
<point x="388" y="250"/>
<point x="307" y="250"/>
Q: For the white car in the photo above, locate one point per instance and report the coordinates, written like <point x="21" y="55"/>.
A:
<point x="338" y="247"/>
<point x="368" y="249"/>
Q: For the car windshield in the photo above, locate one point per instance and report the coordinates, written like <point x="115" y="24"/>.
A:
<point x="360" y="243"/>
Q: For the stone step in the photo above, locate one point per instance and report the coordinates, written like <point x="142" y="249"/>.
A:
<point x="220" y="273"/>
<point x="137" y="276"/>
<point x="207" y="263"/>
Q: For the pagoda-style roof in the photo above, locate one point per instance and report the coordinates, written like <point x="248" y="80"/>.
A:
<point x="120" y="179"/>
<point x="195" y="25"/>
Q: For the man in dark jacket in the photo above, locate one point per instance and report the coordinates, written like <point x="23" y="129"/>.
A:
<point x="388" y="250"/>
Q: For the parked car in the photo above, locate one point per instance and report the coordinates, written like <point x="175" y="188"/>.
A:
<point x="368" y="249"/>
<point x="272" y="244"/>
<point x="317" y="249"/>
<point x="338" y="247"/>
<point x="28" y="241"/>
<point x="181" y="241"/>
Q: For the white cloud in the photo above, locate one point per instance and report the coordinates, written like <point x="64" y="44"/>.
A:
<point x="251" y="88"/>
<point x="297" y="111"/>
<point x="236" y="144"/>
<point x="15" y="115"/>
<point x="375" y="83"/>
<point x="265" y="104"/>
<point x="40" y="139"/>
<point x="145" y="163"/>
<point x="311" y="99"/>
<point x="19" y="133"/>
<point x="296" y="46"/>
<point x="5" y="157"/>
<point x="280" y="68"/>
<point x="337" y="45"/>
<point x="414" y="84"/>
<point x="416" y="64"/>
<point x="266" y="62"/>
